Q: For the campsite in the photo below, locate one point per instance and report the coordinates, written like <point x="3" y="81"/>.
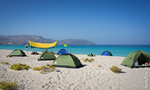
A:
<point x="66" y="71"/>
<point x="69" y="74"/>
<point x="74" y="45"/>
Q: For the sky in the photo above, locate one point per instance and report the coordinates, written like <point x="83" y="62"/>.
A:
<point x="99" y="21"/>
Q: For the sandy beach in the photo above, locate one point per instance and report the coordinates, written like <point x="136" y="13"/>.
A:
<point x="89" y="77"/>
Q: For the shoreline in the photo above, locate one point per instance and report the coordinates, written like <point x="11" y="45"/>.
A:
<point x="89" y="77"/>
<point x="122" y="51"/>
<point x="29" y="52"/>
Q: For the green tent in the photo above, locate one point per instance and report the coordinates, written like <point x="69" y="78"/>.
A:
<point x="67" y="60"/>
<point x="17" y="52"/>
<point x="136" y="59"/>
<point x="47" y="56"/>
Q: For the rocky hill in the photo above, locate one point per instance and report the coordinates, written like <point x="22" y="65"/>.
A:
<point x="23" y="39"/>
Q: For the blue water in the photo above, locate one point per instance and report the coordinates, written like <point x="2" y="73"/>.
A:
<point x="116" y="50"/>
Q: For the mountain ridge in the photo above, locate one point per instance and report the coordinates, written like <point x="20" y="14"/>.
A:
<point x="23" y="39"/>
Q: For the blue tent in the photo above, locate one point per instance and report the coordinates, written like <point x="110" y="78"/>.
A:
<point x="62" y="51"/>
<point x="107" y="53"/>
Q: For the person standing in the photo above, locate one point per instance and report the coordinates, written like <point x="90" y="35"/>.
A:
<point x="26" y="47"/>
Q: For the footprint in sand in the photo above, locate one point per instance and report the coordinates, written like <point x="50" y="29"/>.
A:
<point x="58" y="77"/>
<point x="4" y="70"/>
<point x="50" y="78"/>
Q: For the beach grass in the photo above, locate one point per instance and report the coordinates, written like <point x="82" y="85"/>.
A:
<point x="7" y="85"/>
<point x="19" y="66"/>
<point x="115" y="69"/>
<point x="5" y="63"/>
<point x="88" y="60"/>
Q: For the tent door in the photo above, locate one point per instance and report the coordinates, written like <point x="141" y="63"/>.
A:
<point x="136" y="63"/>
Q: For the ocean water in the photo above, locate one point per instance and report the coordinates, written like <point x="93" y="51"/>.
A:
<point x="116" y="50"/>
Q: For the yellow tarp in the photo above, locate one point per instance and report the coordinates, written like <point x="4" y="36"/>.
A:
<point x="42" y="45"/>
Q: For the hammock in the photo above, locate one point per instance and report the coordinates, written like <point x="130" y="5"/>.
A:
<point x="42" y="45"/>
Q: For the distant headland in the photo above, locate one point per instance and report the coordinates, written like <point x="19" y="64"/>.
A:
<point x="23" y="39"/>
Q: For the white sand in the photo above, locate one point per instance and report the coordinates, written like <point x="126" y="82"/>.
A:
<point x="89" y="77"/>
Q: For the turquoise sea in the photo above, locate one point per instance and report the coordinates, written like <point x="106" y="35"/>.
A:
<point x="116" y="50"/>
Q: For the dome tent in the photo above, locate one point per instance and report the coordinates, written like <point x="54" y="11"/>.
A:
<point x="136" y="59"/>
<point x="17" y="52"/>
<point x="62" y="51"/>
<point x="46" y="56"/>
<point x="107" y="53"/>
<point x="67" y="60"/>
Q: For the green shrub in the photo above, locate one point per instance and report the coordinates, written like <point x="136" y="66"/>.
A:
<point x="89" y="60"/>
<point x="4" y="63"/>
<point x="92" y="59"/>
<point x="51" y="67"/>
<point x="25" y="67"/>
<point x="46" y="68"/>
<point x="6" y="85"/>
<point x="19" y="66"/>
<point x="115" y="69"/>
<point x="36" y="68"/>
<point x="86" y="59"/>
<point x="41" y="68"/>
<point x="41" y="71"/>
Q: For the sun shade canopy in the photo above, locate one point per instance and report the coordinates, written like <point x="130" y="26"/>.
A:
<point x="42" y="45"/>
